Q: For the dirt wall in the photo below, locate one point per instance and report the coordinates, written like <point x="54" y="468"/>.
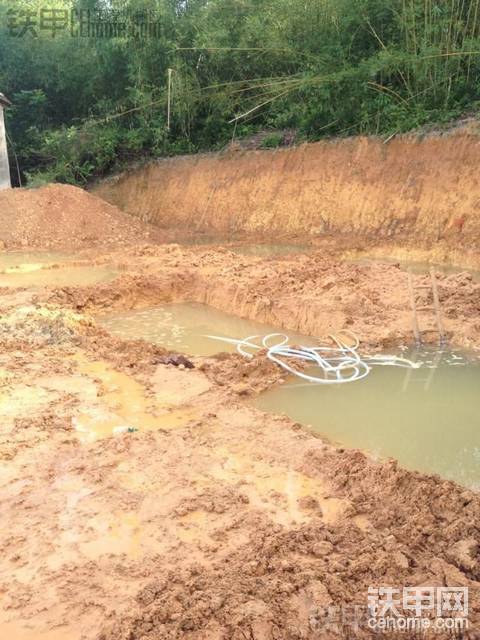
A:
<point x="427" y="189"/>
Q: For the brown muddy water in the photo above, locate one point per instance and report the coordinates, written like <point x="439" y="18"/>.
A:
<point x="266" y="250"/>
<point x="10" y="259"/>
<point x="184" y="327"/>
<point x="122" y="406"/>
<point x="47" y="269"/>
<point x="426" y="418"/>
<point x="421" y="268"/>
<point x="256" y="249"/>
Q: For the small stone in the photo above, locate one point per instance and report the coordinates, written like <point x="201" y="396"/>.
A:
<point x="322" y="548"/>
<point x="401" y="560"/>
<point x="463" y="554"/>
<point x="242" y="389"/>
<point x="177" y="360"/>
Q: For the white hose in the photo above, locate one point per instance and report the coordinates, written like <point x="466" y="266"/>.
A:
<point x="337" y="364"/>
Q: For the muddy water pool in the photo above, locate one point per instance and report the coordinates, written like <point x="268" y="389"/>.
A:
<point x="34" y="269"/>
<point x="184" y="327"/>
<point x="257" y="249"/>
<point x="9" y="259"/>
<point x="266" y="250"/>
<point x="427" y="418"/>
<point x="420" y="268"/>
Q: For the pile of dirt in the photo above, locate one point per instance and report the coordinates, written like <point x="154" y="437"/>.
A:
<point x="68" y="217"/>
<point x="41" y="326"/>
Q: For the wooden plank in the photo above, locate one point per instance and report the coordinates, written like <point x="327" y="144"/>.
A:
<point x="416" y="329"/>
<point x="436" y="303"/>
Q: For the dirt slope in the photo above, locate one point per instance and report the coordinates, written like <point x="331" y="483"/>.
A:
<point x="65" y="216"/>
<point x="424" y="189"/>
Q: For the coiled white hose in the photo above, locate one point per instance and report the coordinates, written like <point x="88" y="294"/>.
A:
<point x="338" y="364"/>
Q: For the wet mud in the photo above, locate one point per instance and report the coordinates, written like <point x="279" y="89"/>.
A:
<point x="146" y="498"/>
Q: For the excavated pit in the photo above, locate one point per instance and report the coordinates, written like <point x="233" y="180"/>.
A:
<point x="146" y="494"/>
<point x="186" y="327"/>
<point x="413" y="198"/>
<point x="397" y="413"/>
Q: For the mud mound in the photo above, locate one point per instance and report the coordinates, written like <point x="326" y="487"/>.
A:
<point x="41" y="326"/>
<point x="292" y="584"/>
<point x="65" y="216"/>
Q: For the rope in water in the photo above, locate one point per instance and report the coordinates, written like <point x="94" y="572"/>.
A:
<point x="338" y="364"/>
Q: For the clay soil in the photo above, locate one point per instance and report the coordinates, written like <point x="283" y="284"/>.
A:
<point x="64" y="216"/>
<point x="212" y="520"/>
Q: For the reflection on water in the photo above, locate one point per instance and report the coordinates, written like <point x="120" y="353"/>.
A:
<point x="426" y="418"/>
<point x="183" y="327"/>
<point x="34" y="275"/>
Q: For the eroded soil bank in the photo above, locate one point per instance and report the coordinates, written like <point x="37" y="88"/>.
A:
<point x="213" y="520"/>
<point x="421" y="193"/>
<point x="312" y="294"/>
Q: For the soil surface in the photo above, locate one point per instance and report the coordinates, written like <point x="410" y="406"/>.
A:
<point x="312" y="293"/>
<point x="143" y="498"/>
<point x="67" y="217"/>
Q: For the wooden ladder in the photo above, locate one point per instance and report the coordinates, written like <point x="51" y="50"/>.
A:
<point x="435" y="308"/>
<point x="427" y="382"/>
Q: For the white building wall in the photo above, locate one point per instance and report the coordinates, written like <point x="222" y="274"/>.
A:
<point x="4" y="168"/>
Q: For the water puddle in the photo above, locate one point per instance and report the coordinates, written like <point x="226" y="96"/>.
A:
<point x="183" y="327"/>
<point x="267" y="250"/>
<point x="13" y="259"/>
<point x="109" y="402"/>
<point x="427" y="418"/>
<point x="37" y="275"/>
<point x="257" y="249"/>
<point x="123" y="405"/>
<point x="420" y="268"/>
<point x="264" y="483"/>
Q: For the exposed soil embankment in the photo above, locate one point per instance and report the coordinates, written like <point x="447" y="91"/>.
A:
<point x="223" y="522"/>
<point x="425" y="190"/>
<point x="306" y="293"/>
<point x="67" y="217"/>
<point x="146" y="499"/>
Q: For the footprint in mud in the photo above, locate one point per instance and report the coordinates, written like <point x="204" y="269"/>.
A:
<point x="289" y="496"/>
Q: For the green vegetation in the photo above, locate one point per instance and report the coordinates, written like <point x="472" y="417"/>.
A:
<point x="84" y="106"/>
<point x="272" y="141"/>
